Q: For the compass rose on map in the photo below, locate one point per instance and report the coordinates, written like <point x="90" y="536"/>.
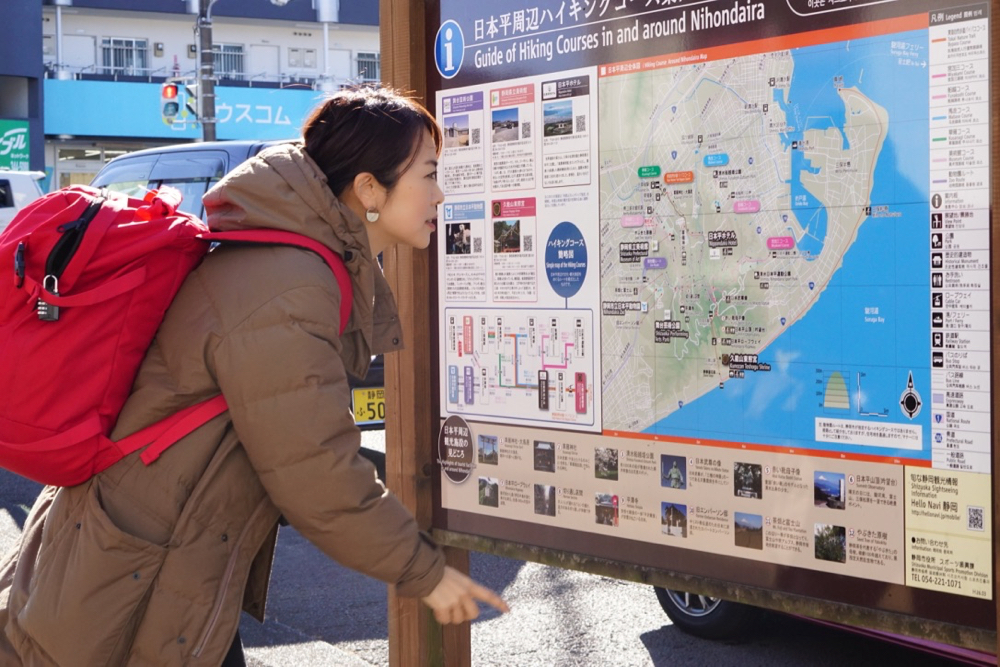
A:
<point x="909" y="401"/>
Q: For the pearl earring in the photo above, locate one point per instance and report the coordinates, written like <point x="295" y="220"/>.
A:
<point x="372" y="215"/>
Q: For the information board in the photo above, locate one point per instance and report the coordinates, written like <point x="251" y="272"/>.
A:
<point x="714" y="290"/>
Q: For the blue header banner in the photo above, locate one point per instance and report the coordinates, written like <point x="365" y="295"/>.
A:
<point x="117" y="109"/>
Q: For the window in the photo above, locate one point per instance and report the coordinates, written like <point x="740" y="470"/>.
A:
<point x="190" y="172"/>
<point x="368" y="68"/>
<point x="192" y="190"/>
<point x="6" y="194"/>
<point x="229" y="61"/>
<point x="78" y="164"/>
<point x="124" y="56"/>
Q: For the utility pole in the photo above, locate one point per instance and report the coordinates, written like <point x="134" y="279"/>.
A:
<point x="206" y="69"/>
<point x="206" y="61"/>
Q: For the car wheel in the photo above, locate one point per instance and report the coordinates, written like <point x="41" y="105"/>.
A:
<point x="707" y="617"/>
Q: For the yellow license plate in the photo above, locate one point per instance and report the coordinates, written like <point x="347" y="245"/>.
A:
<point x="369" y="405"/>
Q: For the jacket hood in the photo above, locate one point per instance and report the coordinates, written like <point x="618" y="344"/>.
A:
<point x="283" y="188"/>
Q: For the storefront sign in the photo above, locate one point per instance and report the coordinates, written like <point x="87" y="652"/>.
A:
<point x="15" y="149"/>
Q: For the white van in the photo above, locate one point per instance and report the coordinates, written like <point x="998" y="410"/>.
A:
<point x="17" y="190"/>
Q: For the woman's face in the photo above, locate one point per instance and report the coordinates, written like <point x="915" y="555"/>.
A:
<point x="409" y="212"/>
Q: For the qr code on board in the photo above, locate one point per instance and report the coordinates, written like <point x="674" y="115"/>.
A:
<point x="581" y="123"/>
<point x="976" y="518"/>
<point x="475" y="136"/>
<point x="525" y="130"/>
<point x="526" y="244"/>
<point x="477" y="245"/>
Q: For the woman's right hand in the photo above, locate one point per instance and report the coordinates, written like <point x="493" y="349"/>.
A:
<point x="454" y="599"/>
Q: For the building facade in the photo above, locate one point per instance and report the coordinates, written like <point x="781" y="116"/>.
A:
<point x="82" y="78"/>
<point x="21" y="87"/>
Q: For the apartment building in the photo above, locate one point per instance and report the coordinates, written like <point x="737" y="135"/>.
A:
<point x="21" y="75"/>
<point x="85" y="86"/>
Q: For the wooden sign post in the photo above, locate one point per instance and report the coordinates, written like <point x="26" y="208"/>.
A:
<point x="414" y="636"/>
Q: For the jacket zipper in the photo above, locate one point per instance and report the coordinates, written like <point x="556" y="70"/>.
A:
<point x="224" y="584"/>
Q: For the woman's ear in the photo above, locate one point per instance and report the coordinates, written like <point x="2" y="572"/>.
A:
<point x="367" y="189"/>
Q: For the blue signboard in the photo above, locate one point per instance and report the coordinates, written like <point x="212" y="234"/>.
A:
<point x="117" y="109"/>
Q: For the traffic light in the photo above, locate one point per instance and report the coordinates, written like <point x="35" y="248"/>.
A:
<point x="191" y="101"/>
<point x="169" y="104"/>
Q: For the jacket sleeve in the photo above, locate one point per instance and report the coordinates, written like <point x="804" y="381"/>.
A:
<point x="281" y="373"/>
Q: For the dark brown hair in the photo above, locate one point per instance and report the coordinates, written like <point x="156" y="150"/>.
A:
<point x="366" y="129"/>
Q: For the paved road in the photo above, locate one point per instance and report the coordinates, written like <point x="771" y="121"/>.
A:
<point x="322" y="614"/>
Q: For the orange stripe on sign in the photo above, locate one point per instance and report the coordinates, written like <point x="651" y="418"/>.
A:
<point x="798" y="40"/>
<point x="776" y="449"/>
<point x="678" y="177"/>
<point x="939" y="39"/>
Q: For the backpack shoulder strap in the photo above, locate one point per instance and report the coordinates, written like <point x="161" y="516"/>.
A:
<point x="163" y="434"/>
<point x="277" y="237"/>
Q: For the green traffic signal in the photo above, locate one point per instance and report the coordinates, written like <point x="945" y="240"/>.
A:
<point x="170" y="109"/>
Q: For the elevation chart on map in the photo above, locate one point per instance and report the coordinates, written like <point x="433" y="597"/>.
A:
<point x="761" y="281"/>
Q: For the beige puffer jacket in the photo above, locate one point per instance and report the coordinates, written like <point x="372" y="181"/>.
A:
<point x="151" y="565"/>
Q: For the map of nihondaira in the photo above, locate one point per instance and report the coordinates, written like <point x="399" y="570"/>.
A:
<point x="765" y="247"/>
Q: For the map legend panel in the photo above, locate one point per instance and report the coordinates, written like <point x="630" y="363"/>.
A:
<point x="959" y="240"/>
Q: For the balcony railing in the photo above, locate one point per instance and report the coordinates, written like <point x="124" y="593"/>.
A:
<point x="96" y="72"/>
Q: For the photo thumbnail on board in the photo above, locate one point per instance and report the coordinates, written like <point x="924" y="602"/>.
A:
<point x="673" y="519"/>
<point x="545" y="456"/>
<point x="829" y="489"/>
<point x="606" y="509"/>
<point x="673" y="471"/>
<point x="545" y="499"/>
<point x="488" y="452"/>
<point x="606" y="463"/>
<point x="489" y="492"/>
<point x="831" y="542"/>
<point x="748" y="530"/>
<point x="747" y="480"/>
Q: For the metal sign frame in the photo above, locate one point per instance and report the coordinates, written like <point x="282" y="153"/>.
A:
<point x="409" y="62"/>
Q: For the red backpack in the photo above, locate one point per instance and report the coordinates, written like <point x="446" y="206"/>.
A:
<point x="87" y="277"/>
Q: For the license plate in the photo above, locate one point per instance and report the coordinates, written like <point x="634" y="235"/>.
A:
<point x="369" y="405"/>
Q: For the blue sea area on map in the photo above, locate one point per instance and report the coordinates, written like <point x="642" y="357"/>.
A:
<point x="809" y="210"/>
<point x="870" y="328"/>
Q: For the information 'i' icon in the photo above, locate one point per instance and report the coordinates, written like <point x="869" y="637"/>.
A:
<point x="449" y="49"/>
